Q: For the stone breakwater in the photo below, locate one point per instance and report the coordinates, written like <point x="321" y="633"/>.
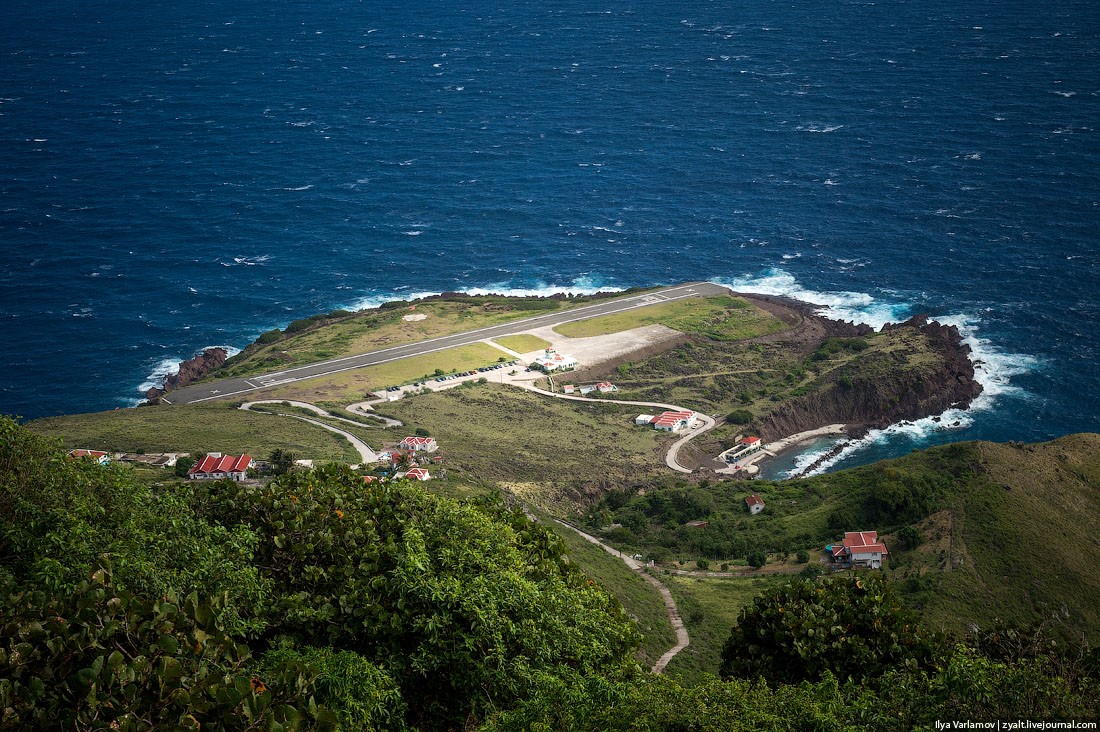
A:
<point x="190" y="371"/>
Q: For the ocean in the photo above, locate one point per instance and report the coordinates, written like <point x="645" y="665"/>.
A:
<point x="175" y="176"/>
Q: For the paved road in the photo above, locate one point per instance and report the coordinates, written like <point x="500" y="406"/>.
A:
<point x="366" y="454"/>
<point x="234" y="387"/>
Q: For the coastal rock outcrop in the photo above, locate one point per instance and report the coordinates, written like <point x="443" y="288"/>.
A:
<point x="190" y="371"/>
<point x="885" y="388"/>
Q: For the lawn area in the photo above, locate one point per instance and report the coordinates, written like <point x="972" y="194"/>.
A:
<point x="553" y="447"/>
<point x="356" y="385"/>
<point x="523" y="343"/>
<point x="200" y="428"/>
<point x="637" y="596"/>
<point x="721" y="318"/>
<point x="709" y="608"/>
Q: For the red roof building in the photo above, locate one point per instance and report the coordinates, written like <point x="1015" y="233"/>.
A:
<point x="860" y="549"/>
<point x="216" y="466"/>
<point x="418" y="474"/>
<point x="673" y="421"/>
<point x="418" y="444"/>
<point x="96" y="456"/>
<point x="755" y="504"/>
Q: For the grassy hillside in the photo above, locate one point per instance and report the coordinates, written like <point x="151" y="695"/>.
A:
<point x="541" y="448"/>
<point x="197" y="429"/>
<point x="1021" y="539"/>
<point x="976" y="531"/>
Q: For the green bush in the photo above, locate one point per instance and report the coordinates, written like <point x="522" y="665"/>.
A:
<point x="852" y="626"/>
<point x="100" y="658"/>
<point x="739" y="416"/>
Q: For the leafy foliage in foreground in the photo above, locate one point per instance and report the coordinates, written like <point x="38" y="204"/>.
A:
<point x="374" y="607"/>
<point x="384" y="597"/>
<point x="460" y="605"/>
<point x="102" y="658"/>
<point x="851" y="626"/>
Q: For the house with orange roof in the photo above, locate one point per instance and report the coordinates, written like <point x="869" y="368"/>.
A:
<point x="96" y="456"/>
<point x="418" y="474"/>
<point x="673" y="421"/>
<point x="418" y="444"/>
<point x="216" y="466"/>
<point x="755" y="504"/>
<point x="859" y="549"/>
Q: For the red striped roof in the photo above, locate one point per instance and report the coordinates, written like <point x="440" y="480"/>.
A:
<point x="222" y="464"/>
<point x="863" y="542"/>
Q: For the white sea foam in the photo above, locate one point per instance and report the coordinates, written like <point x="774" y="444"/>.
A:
<point x="855" y="306"/>
<point x="168" y="366"/>
<point x="584" y="285"/>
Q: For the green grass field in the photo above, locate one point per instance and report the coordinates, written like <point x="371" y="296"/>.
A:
<point x="356" y="385"/>
<point x="523" y="343"/>
<point x="709" y="608"/>
<point x="720" y="318"/>
<point x="217" y="427"/>
<point x="553" y="446"/>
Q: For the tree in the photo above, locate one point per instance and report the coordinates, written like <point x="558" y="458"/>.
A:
<point x="183" y="465"/>
<point x="851" y="626"/>
<point x="757" y="559"/>
<point x="281" y="461"/>
<point x="739" y="416"/>
<point x="802" y="556"/>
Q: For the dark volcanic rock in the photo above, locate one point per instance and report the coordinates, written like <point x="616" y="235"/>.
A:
<point x="881" y="391"/>
<point x="190" y="371"/>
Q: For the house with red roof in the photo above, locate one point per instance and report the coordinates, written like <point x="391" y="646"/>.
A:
<point x="673" y="421"/>
<point x="755" y="504"/>
<point x="418" y="474"/>
<point x="96" y="456"/>
<point x="606" y="387"/>
<point x="216" y="466"/>
<point x="418" y="444"/>
<point x="859" y="549"/>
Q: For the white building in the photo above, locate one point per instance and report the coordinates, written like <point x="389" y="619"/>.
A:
<point x="551" y="361"/>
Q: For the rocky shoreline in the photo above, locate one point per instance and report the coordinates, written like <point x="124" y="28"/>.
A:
<point x="189" y="372"/>
<point x="868" y="400"/>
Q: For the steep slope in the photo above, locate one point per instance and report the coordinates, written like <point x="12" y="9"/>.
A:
<point x="1024" y="538"/>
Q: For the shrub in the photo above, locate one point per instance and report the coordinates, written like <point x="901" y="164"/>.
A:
<point x="739" y="416"/>
<point x="852" y="626"/>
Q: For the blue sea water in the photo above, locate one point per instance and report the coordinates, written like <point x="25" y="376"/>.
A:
<point x="181" y="175"/>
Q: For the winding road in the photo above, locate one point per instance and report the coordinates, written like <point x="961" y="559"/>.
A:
<point x="367" y="454"/>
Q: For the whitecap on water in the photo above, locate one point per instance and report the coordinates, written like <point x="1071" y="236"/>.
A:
<point x="994" y="368"/>
<point x="166" y="367"/>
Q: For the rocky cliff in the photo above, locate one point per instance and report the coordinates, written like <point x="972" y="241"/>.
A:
<point x="883" y="388"/>
<point x="190" y="371"/>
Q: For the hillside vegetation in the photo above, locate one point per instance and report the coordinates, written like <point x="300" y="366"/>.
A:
<point x="316" y="602"/>
<point x="963" y="523"/>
